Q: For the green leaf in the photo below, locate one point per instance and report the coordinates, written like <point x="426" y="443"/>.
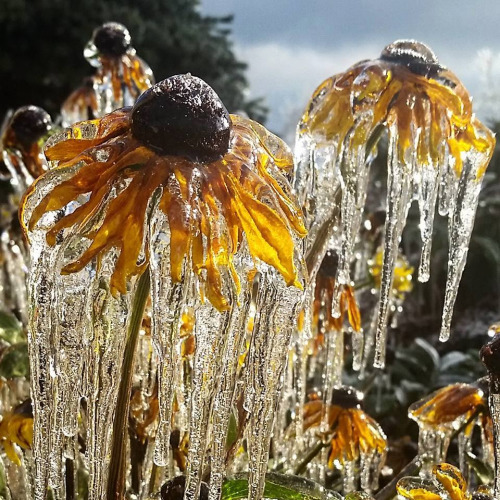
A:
<point x="11" y="331"/>
<point x="483" y="470"/>
<point x="278" y="487"/>
<point x="232" y="432"/>
<point x="15" y="361"/>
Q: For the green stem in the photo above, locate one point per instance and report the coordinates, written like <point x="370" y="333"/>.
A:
<point x="389" y="491"/>
<point x="314" y="451"/>
<point x="363" y="284"/>
<point x="117" y="468"/>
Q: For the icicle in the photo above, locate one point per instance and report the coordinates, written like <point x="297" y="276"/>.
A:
<point x="427" y="196"/>
<point x="277" y="309"/>
<point x="461" y="222"/>
<point x="398" y="199"/>
<point x="167" y="304"/>
<point x="348" y="476"/>
<point x="354" y="179"/>
<point x="235" y="335"/>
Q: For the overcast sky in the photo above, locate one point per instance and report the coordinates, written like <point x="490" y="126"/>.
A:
<point x="291" y="46"/>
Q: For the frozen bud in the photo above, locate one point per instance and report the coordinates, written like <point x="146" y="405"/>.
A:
<point x="29" y="124"/>
<point x="182" y="116"/>
<point x="416" y="56"/>
<point x="174" y="489"/>
<point x="111" y="39"/>
<point x="347" y="397"/>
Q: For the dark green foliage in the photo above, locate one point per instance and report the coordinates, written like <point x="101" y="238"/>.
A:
<point x="42" y="41"/>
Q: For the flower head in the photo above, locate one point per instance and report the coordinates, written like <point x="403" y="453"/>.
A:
<point x="217" y="178"/>
<point x="21" y="145"/>
<point x="407" y="87"/>
<point x="120" y="78"/>
<point x="353" y="432"/>
<point x="449" y="404"/>
<point x="16" y="428"/>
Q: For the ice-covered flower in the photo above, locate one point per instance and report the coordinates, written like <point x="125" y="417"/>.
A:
<point x="177" y="191"/>
<point x="121" y="76"/>
<point x="437" y="149"/>
<point x="355" y="438"/>
<point x="444" y="412"/>
<point x="16" y="428"/>
<point x="446" y="482"/>
<point x="323" y="315"/>
<point x="22" y="146"/>
<point x="219" y="177"/>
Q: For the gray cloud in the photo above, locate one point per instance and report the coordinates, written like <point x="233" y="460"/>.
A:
<point x="292" y="45"/>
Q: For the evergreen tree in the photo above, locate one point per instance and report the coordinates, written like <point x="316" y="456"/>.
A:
<point x="42" y="41"/>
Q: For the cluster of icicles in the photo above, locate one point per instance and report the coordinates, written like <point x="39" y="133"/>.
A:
<point x="78" y="323"/>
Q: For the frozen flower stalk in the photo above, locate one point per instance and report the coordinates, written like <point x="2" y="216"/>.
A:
<point x="120" y="77"/>
<point x="446" y="411"/>
<point x="199" y="199"/>
<point x="22" y="161"/>
<point x="438" y="153"/>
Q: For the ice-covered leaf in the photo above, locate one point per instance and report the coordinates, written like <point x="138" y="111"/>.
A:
<point x="279" y="487"/>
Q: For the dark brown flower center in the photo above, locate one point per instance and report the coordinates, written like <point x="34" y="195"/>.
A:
<point x="182" y="116"/>
<point x="174" y="489"/>
<point x="29" y="124"/>
<point x="347" y="397"/>
<point x="490" y="355"/>
<point x="112" y="39"/>
<point x="416" y="56"/>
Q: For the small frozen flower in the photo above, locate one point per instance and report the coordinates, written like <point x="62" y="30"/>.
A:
<point x="353" y="435"/>
<point x="121" y="76"/>
<point x="22" y="145"/>
<point x="16" y="428"/>
<point x="323" y="315"/>
<point x="447" y="482"/>
<point x="449" y="404"/>
<point x="403" y="273"/>
<point x="440" y="414"/>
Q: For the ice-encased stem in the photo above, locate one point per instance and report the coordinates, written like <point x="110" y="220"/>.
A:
<point x="221" y="413"/>
<point x="117" y="467"/>
<point x="275" y="321"/>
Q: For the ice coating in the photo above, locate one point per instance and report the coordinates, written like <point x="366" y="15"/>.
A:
<point x="438" y="153"/>
<point x="353" y="442"/>
<point x="95" y="227"/>
<point x="452" y="410"/>
<point x="120" y="77"/>
<point x="21" y="162"/>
